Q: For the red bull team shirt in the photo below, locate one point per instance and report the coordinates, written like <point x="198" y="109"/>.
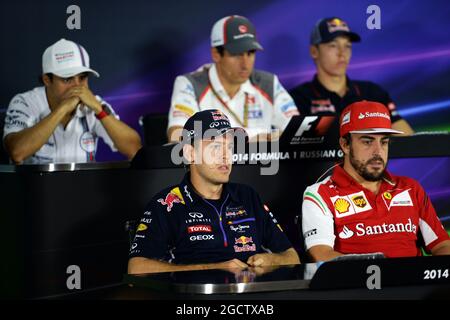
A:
<point x="179" y="226"/>
<point x="342" y="214"/>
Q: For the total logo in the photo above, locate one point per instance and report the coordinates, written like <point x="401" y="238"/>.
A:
<point x="363" y="230"/>
<point x="199" y="228"/>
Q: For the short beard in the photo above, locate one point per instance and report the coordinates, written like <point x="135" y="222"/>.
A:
<point x="361" y="167"/>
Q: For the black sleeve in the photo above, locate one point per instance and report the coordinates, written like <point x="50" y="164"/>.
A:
<point x="384" y="97"/>
<point x="273" y="237"/>
<point x="301" y="99"/>
<point x="151" y="239"/>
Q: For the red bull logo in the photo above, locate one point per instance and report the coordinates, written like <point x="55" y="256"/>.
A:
<point x="174" y="196"/>
<point x="246" y="242"/>
<point x="243" y="240"/>
<point x="337" y="25"/>
<point x="217" y="115"/>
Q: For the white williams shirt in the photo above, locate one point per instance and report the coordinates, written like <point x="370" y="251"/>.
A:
<point x="76" y="143"/>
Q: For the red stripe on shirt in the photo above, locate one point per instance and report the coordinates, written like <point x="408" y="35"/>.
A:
<point x="315" y="202"/>
<point x="263" y="93"/>
<point x="203" y="94"/>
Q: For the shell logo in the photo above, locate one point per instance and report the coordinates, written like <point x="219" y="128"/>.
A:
<point x="141" y="227"/>
<point x="342" y="205"/>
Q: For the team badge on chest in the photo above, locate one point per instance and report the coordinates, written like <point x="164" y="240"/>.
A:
<point x="351" y="204"/>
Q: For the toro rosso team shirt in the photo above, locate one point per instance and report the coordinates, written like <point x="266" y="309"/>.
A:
<point x="312" y="98"/>
<point x="181" y="227"/>
<point x="342" y="214"/>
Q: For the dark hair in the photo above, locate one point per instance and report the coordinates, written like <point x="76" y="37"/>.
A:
<point x="50" y="75"/>
<point x="220" y="50"/>
<point x="348" y="138"/>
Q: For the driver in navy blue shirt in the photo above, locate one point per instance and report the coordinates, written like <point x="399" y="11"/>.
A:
<point x="205" y="222"/>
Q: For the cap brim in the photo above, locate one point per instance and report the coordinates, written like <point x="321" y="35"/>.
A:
<point x="221" y="132"/>
<point x="378" y="130"/>
<point x="67" y="73"/>
<point x="241" y="46"/>
<point x="217" y="133"/>
<point x="354" y="37"/>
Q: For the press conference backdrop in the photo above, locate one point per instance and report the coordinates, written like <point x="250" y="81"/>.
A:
<point x="140" y="46"/>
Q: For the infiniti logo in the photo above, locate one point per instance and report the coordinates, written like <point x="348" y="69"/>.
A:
<point x="196" y="215"/>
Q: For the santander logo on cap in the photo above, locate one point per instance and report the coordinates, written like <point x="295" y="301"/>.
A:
<point x="373" y="114"/>
<point x="366" y="117"/>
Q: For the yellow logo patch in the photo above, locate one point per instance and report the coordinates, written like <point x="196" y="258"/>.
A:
<point x="342" y="205"/>
<point x="141" y="227"/>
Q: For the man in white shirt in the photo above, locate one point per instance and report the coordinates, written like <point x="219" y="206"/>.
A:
<point x="252" y="99"/>
<point x="62" y="120"/>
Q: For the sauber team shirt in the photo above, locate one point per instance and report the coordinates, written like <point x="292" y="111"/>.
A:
<point x="312" y="98"/>
<point x="262" y="113"/>
<point x="340" y="213"/>
<point x="179" y="226"/>
<point x="75" y="143"/>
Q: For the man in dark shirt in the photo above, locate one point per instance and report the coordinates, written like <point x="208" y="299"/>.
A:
<point x="331" y="90"/>
<point x="205" y="222"/>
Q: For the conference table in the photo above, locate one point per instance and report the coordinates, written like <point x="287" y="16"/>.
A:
<point x="65" y="227"/>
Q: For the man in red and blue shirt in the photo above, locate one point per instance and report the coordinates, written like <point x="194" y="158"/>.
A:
<point x="362" y="208"/>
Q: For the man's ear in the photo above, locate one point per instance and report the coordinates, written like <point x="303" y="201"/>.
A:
<point x="344" y="145"/>
<point x="46" y="79"/>
<point x="215" y="55"/>
<point x="314" y="51"/>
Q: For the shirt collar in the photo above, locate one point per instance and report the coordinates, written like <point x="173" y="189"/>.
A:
<point x="322" y="91"/>
<point x="191" y="197"/>
<point x="246" y="87"/>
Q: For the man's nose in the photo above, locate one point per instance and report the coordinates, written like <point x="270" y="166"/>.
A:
<point x="377" y="148"/>
<point x="246" y="59"/>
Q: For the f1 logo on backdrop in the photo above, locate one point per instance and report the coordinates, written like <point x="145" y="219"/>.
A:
<point x="312" y="130"/>
<point x="314" y="126"/>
